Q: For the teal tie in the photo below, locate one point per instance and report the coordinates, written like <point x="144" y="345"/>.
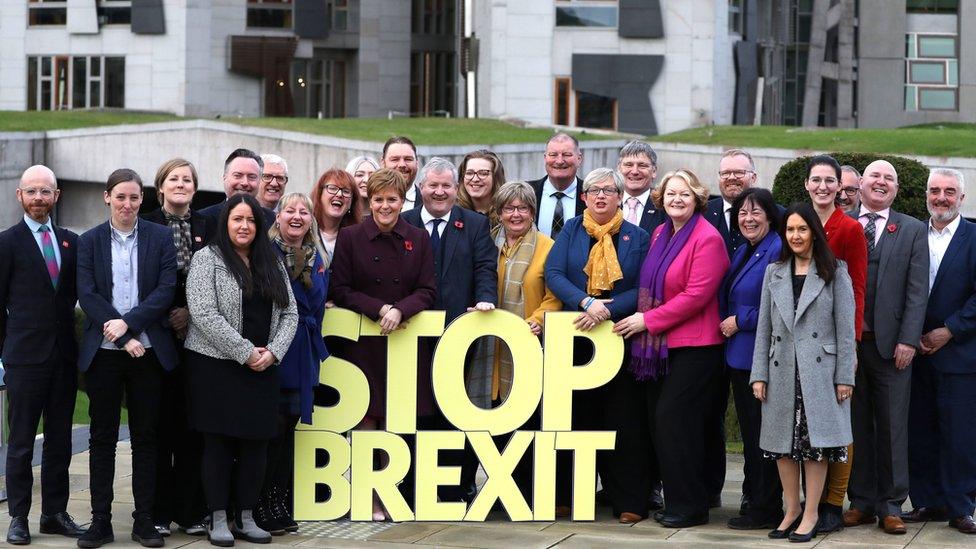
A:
<point x="51" y="260"/>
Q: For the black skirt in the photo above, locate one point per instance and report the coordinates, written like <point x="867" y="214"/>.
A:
<point x="228" y="398"/>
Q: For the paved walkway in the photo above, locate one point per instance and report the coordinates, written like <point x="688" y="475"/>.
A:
<point x="604" y="532"/>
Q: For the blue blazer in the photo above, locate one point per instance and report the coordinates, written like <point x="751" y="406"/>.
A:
<point x="740" y="294"/>
<point x="568" y="256"/>
<point x="157" y="286"/>
<point x="952" y="303"/>
<point x="467" y="272"/>
<point x="299" y="368"/>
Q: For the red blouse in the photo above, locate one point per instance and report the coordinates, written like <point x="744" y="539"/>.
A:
<point x="845" y="236"/>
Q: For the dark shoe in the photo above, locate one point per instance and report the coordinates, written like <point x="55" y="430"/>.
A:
<point x="601" y="497"/>
<point x="164" y="529"/>
<point x="144" y="533"/>
<point x="831" y="518"/>
<point x="657" y="498"/>
<point x="195" y="529"/>
<point x="803" y="538"/>
<point x="747" y="522"/>
<point x="630" y="518"/>
<point x="783" y="534"/>
<point x="669" y="520"/>
<point x="892" y="525"/>
<point x="61" y="524"/>
<point x="18" y="533"/>
<point x="266" y="520"/>
<point x="964" y="524"/>
<point x="715" y="502"/>
<point x="98" y="534"/>
<point x="925" y="514"/>
<point x="744" y="504"/>
<point x="658" y="515"/>
<point x="857" y="517"/>
<point x="280" y="511"/>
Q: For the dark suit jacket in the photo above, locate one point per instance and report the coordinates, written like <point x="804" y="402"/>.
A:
<point x="740" y="294"/>
<point x="467" y="271"/>
<point x="651" y="218"/>
<point x="537" y="185"/>
<point x="201" y="228"/>
<point x="952" y="303"/>
<point x="33" y="314"/>
<point x="157" y="283"/>
<point x="568" y="256"/>
<point x="901" y="289"/>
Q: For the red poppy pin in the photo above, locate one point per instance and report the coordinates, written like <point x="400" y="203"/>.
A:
<point x="626" y="237"/>
<point x="64" y="244"/>
<point x="197" y="239"/>
<point x="459" y="224"/>
<point x="322" y="268"/>
<point x="408" y="245"/>
<point x="892" y="228"/>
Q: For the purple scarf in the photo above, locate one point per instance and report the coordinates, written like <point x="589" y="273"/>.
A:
<point x="649" y="352"/>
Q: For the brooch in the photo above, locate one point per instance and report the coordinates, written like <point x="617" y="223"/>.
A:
<point x="892" y="228"/>
<point x="459" y="224"/>
<point x="408" y="245"/>
<point x="64" y="244"/>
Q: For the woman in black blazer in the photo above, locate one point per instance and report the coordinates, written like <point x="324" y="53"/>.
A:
<point x="179" y="491"/>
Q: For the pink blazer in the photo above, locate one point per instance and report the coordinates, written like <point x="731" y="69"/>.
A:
<point x="689" y="315"/>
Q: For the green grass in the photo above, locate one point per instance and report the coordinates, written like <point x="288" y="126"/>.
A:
<point x="81" y="411"/>
<point x="38" y="121"/>
<point x="953" y="139"/>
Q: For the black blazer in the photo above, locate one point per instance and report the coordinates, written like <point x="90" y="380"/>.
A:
<point x="537" y="185"/>
<point x="467" y="271"/>
<point x="33" y="314"/>
<point x="201" y="228"/>
<point x="157" y="283"/>
<point x="652" y="217"/>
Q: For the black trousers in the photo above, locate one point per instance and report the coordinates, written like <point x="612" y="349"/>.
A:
<point x="715" y="442"/>
<point x="761" y="484"/>
<point x="281" y="459"/>
<point x="219" y="455"/>
<point x="682" y="402"/>
<point x="34" y="390"/>
<point x="179" y="450"/>
<point x="630" y="470"/>
<point x="112" y="374"/>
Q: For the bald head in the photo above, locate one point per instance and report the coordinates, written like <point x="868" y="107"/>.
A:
<point x="38" y="192"/>
<point x="38" y="174"/>
<point x="879" y="185"/>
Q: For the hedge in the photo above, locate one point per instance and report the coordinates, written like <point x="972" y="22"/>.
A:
<point x="912" y="175"/>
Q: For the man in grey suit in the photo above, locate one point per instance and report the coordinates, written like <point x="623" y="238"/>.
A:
<point x="894" y="312"/>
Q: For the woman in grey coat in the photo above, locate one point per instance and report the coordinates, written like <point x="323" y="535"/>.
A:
<point x="803" y="365"/>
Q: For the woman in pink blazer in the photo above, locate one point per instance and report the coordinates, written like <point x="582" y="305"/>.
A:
<point x="678" y="347"/>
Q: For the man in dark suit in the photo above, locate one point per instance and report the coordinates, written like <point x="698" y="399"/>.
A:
<point x="941" y="447"/>
<point x="38" y="349"/>
<point x="242" y="174"/>
<point x="894" y="310"/>
<point x="466" y="270"/>
<point x="400" y="154"/>
<point x="637" y="162"/>
<point x="558" y="193"/>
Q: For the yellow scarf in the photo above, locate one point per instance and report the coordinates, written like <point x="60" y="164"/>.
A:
<point x="602" y="268"/>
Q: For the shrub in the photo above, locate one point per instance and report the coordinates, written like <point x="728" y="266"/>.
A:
<point x="912" y="175"/>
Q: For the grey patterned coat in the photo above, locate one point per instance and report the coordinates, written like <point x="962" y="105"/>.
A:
<point x="214" y="300"/>
<point x="818" y="338"/>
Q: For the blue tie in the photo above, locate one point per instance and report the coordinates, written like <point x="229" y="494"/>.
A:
<point x="435" y="237"/>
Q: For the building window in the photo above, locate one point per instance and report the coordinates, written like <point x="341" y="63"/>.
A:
<point x="560" y="114"/>
<point x="736" y="22"/>
<point x="77" y="82"/>
<point x="319" y="88"/>
<point x="114" y="12"/>
<point x="596" y="111"/>
<point x="432" y="83"/>
<point x="269" y="14"/>
<point x="340" y="14"/>
<point x="932" y="6"/>
<point x="432" y="17"/>
<point x="47" y="12"/>
<point x="931" y="72"/>
<point x="586" y="13"/>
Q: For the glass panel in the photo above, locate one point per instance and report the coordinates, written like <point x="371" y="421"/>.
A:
<point x="927" y="73"/>
<point x="594" y="111"/>
<point x="45" y="95"/>
<point x="47" y="16"/>
<point x="45" y="66"/>
<point x="562" y="102"/>
<point x="910" y="99"/>
<point x="952" y="72"/>
<point x="938" y="99"/>
<point x="340" y="20"/>
<point x="299" y="87"/>
<point x="61" y="82"/>
<point x="339" y="89"/>
<point x="936" y="46"/>
<point x="586" y="16"/>
<point x="95" y="90"/>
<point x="932" y="6"/>
<point x="115" y="82"/>
<point x="269" y="18"/>
<point x="79" y="82"/>
<point x="910" y="46"/>
<point x="114" y="15"/>
<point x="96" y="68"/>
<point x="32" y="83"/>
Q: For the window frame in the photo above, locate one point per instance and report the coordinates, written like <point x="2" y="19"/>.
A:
<point x="270" y="6"/>
<point x="586" y="4"/>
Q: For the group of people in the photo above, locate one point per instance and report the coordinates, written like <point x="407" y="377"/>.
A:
<point x="208" y="323"/>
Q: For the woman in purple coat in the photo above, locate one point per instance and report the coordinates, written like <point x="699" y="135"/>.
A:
<point x="384" y="268"/>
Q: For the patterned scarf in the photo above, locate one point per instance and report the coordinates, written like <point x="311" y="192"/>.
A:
<point x="602" y="268"/>
<point x="649" y="352"/>
<point x="298" y="260"/>
<point x="181" y="237"/>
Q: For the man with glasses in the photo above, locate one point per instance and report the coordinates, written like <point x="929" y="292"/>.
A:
<point x="273" y="181"/>
<point x="242" y="174"/>
<point x="558" y="193"/>
<point x="849" y="197"/>
<point x="736" y="173"/>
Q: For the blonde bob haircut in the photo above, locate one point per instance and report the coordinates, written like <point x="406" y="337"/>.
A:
<point x="688" y="178"/>
<point x="386" y="179"/>
<point x="163" y="172"/>
<point x="312" y="236"/>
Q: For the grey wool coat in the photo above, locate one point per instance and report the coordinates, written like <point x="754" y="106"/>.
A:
<point x="214" y="299"/>
<point x="818" y="338"/>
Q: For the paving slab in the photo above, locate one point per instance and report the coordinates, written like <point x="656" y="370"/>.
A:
<point x="503" y="538"/>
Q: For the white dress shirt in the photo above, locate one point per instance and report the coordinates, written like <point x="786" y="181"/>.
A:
<point x="547" y="206"/>
<point x="938" y="244"/>
<point x="727" y="212"/>
<point x="429" y="218"/>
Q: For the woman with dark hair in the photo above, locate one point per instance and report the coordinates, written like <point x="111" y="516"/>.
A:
<point x="335" y="204"/>
<point x="482" y="174"/>
<point x="126" y="281"/>
<point x="845" y="236"/>
<point x="179" y="492"/>
<point x="803" y="366"/>
<point x="242" y="321"/>
<point x="755" y="216"/>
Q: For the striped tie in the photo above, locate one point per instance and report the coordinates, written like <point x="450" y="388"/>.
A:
<point x="50" y="259"/>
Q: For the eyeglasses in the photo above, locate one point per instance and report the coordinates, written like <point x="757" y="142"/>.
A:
<point x="607" y="191"/>
<point x="512" y="209"/>
<point x="480" y="174"/>
<point x="31" y="192"/>
<point x="737" y="174"/>
<point x="281" y="179"/>
<point x="338" y="191"/>
<point x="817" y="181"/>
<point x="850" y="191"/>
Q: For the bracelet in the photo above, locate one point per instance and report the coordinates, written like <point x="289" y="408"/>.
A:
<point x="589" y="302"/>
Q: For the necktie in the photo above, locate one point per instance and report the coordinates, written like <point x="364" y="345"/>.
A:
<point x="435" y="237"/>
<point x="869" y="230"/>
<point x="632" y="204"/>
<point x="557" y="215"/>
<point x="51" y="260"/>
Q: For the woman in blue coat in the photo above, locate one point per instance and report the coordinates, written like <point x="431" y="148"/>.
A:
<point x="296" y="239"/>
<point x="755" y="216"/>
